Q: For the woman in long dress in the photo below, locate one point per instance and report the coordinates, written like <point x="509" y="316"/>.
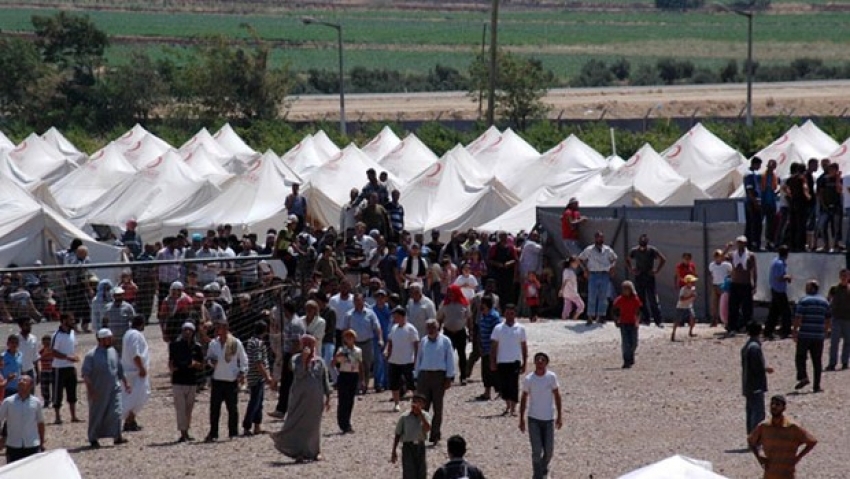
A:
<point x="300" y="436"/>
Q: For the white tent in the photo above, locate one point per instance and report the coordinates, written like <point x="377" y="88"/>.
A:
<point x="304" y="157"/>
<point x="282" y="168"/>
<point x="590" y="192"/>
<point x="325" y="146"/>
<point x="10" y="169"/>
<point x="30" y="231"/>
<point x="139" y="134"/>
<point x="58" y="140"/>
<point x="706" y="160"/>
<point x="253" y="201"/>
<point x="207" y="164"/>
<point x="615" y="162"/>
<point x="5" y="142"/>
<point x="41" y="160"/>
<point x="841" y="156"/>
<point x="55" y="464"/>
<point x="384" y="142"/>
<point x="228" y="139"/>
<point x="652" y="177"/>
<point x="86" y="184"/>
<point x="569" y="162"/>
<point x="795" y="146"/>
<point x="490" y="136"/>
<point x="409" y="158"/>
<point x="166" y="186"/>
<point x="818" y="137"/>
<point x="507" y="159"/>
<point x="328" y="186"/>
<point x="675" y="467"/>
<point x="204" y="138"/>
<point x="145" y="151"/>
<point x="443" y="197"/>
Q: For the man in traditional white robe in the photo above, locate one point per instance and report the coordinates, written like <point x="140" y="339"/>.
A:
<point x="135" y="360"/>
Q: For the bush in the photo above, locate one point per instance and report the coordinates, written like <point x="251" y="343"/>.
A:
<point x="594" y="73"/>
<point x="678" y="4"/>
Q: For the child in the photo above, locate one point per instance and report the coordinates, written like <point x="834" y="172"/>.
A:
<point x="685" y="306"/>
<point x="628" y="305"/>
<point x="349" y="362"/>
<point x="532" y="294"/>
<point x="45" y="363"/>
<point x="258" y="376"/>
<point x="684" y="268"/>
<point x="569" y="290"/>
<point x="411" y="430"/>
<point x="130" y="288"/>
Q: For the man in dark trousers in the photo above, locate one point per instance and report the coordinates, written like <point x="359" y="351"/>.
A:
<point x="811" y="326"/>
<point x="641" y="261"/>
<point x="779" y="307"/>
<point x="754" y="376"/>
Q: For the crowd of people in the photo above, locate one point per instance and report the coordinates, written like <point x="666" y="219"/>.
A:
<point x="366" y="307"/>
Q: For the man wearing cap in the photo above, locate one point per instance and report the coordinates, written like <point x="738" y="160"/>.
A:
<point x="296" y="205"/>
<point x="186" y="363"/>
<point x="135" y="361"/>
<point x="173" y="311"/>
<point x="599" y="260"/>
<point x="812" y="323"/>
<point x="434" y="372"/>
<point x="541" y="397"/>
<point x="776" y="442"/>
<point x="103" y="375"/>
<point x="117" y="317"/>
<point x="365" y="323"/>
<point x="743" y="286"/>
<point x="402" y="349"/>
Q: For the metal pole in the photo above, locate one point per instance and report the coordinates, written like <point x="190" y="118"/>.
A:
<point x="749" y="70"/>
<point x="494" y="40"/>
<point x="342" y="128"/>
<point x="481" y="90"/>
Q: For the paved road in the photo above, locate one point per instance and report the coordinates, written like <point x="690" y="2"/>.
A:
<point x="716" y="100"/>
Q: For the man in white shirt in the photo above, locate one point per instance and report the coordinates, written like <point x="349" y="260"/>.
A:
<point x="28" y="346"/>
<point x="341" y="303"/>
<point x="227" y="357"/>
<point x="63" y="344"/>
<point x="24" y="418"/>
<point x="540" y="392"/>
<point x="599" y="259"/>
<point x="508" y="355"/>
<point x="135" y="360"/>
<point x="402" y="348"/>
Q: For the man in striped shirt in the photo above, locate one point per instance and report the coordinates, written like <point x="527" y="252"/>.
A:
<point x="775" y="442"/>
<point x="811" y="325"/>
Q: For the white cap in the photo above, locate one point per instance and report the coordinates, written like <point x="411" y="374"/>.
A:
<point x="118" y="290"/>
<point x="104" y="333"/>
<point x="188" y="325"/>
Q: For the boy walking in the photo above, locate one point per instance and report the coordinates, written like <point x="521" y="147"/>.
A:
<point x="411" y="430"/>
<point x="542" y="399"/>
<point x="685" y="306"/>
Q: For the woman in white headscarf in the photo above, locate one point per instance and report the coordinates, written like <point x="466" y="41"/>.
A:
<point x="98" y="305"/>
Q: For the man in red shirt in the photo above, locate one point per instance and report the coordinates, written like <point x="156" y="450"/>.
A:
<point x="571" y="219"/>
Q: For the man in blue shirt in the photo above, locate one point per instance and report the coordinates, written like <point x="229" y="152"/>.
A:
<point x="384" y="314"/>
<point x="434" y="372"/>
<point x="489" y="320"/>
<point x="365" y="323"/>
<point x="811" y="325"/>
<point x="779" y="307"/>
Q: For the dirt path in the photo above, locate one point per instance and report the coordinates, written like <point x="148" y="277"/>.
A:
<point x="827" y="98"/>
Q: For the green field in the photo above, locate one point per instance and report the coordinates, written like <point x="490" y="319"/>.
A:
<point x="416" y="41"/>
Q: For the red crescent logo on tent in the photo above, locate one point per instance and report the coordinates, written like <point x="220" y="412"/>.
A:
<point x="782" y="140"/>
<point x="256" y="165"/>
<point x="841" y="152"/>
<point x="558" y="149"/>
<point x="155" y="163"/>
<point x="298" y="146"/>
<point x="127" y="135"/>
<point x="437" y="169"/>
<point x="336" y="157"/>
<point x="135" y="147"/>
<point x="634" y="161"/>
<point x="496" y="143"/>
<point x="676" y="151"/>
<point x="22" y="146"/>
<point x="217" y="134"/>
<point x="192" y="141"/>
<point x="188" y="157"/>
<point x="98" y="155"/>
<point x="782" y="158"/>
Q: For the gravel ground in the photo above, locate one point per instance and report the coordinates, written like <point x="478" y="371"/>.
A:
<point x="681" y="398"/>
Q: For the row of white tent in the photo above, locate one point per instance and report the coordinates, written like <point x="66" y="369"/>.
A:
<point x="495" y="182"/>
